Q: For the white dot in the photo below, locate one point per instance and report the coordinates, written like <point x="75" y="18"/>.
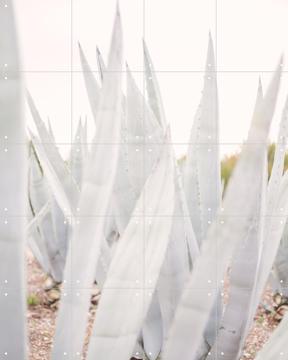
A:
<point x="6" y="5"/>
<point x="209" y="150"/>
<point x="5" y="65"/>
<point x="78" y="209"/>
<point x="5" y="77"/>
<point x="209" y="294"/>
<point x="77" y="294"/>
<point x="6" y="281"/>
<point x="5" y="209"/>
<point x="137" y="150"/>
<point x="5" y="149"/>
<point x="5" y="137"/>
<point x="222" y="353"/>
<point x="5" y="222"/>
<point x="209" y="209"/>
<point x="65" y="353"/>
<point x="5" y="294"/>
<point x="209" y="281"/>
<point x="281" y="281"/>
<point x="137" y="294"/>
<point x="150" y="150"/>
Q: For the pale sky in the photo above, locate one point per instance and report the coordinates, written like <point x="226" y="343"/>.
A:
<point x="249" y="37"/>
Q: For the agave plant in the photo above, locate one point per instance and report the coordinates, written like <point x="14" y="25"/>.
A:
<point x="157" y="239"/>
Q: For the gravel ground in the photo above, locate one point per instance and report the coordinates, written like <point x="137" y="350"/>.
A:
<point x="41" y="318"/>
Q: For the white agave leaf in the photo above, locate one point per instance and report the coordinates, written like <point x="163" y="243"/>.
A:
<point x="61" y="227"/>
<point x="142" y="128"/>
<point x="100" y="63"/>
<point x="60" y="180"/>
<point x="243" y="276"/>
<point x="154" y="96"/>
<point x="181" y="253"/>
<point x="84" y="140"/>
<point x="276" y="347"/>
<point x="152" y="330"/>
<point x="39" y="195"/>
<point x="33" y="239"/>
<point x="36" y="220"/>
<point x="202" y="178"/>
<point x="76" y="160"/>
<point x="13" y="186"/>
<point x="242" y="282"/>
<point x="222" y="238"/>
<point x="136" y="158"/>
<point x="41" y="246"/>
<point x="92" y="87"/>
<point x="97" y="186"/>
<point x="115" y="336"/>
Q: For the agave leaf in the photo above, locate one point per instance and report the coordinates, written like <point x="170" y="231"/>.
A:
<point x="13" y="185"/>
<point x="98" y="182"/>
<point x="36" y="220"/>
<point x="76" y="160"/>
<point x="277" y="343"/>
<point x="84" y="139"/>
<point x="64" y="188"/>
<point x="247" y="256"/>
<point x="39" y="195"/>
<point x="154" y="96"/>
<point x="116" y="336"/>
<point x="202" y="179"/>
<point x="223" y="236"/>
<point x="92" y="87"/>
<point x="100" y="63"/>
